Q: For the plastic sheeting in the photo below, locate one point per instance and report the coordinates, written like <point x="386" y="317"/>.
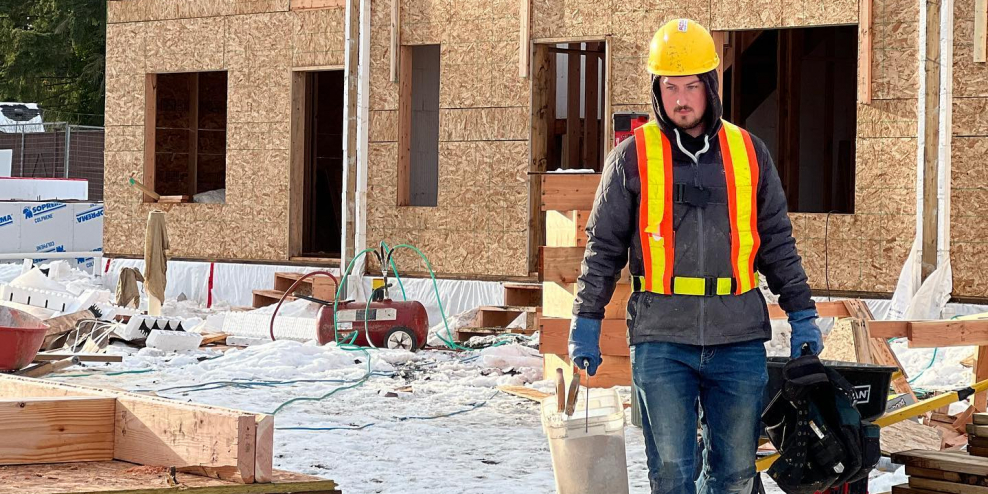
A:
<point x="233" y="284"/>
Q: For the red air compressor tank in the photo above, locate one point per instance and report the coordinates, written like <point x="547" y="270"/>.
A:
<point x="391" y="324"/>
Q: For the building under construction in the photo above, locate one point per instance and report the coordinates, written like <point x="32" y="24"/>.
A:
<point x="463" y="109"/>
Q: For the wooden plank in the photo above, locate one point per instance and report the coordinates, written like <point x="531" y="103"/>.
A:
<point x="878" y="349"/>
<point x="405" y="127"/>
<point x="316" y="4"/>
<point x="980" y="30"/>
<point x="543" y="104"/>
<point x="352" y="21"/>
<point x="119" y="477"/>
<point x="946" y="487"/>
<point x="862" y="348"/>
<point x="591" y="138"/>
<point x="614" y="371"/>
<point x="562" y="265"/>
<point x="976" y="451"/>
<point x="866" y="41"/>
<point x="558" y="298"/>
<point x="56" y="430"/>
<point x="888" y="329"/>
<point x="572" y="158"/>
<point x="931" y="147"/>
<point x="193" y="137"/>
<point x="522" y="294"/>
<point x="824" y="309"/>
<point x="930" y="334"/>
<point x="569" y="191"/>
<point x="980" y="418"/>
<point x="150" y="128"/>
<point x="977" y="430"/>
<point x="554" y="336"/>
<point x="948" y="461"/>
<point x="524" y="37"/>
<point x="297" y="165"/>
<point x="160" y="432"/>
<point x="524" y="392"/>
<point x="959" y="478"/>
<point x="980" y="374"/>
<point x="394" y="47"/>
<point x="581" y="228"/>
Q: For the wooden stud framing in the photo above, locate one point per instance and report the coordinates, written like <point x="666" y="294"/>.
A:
<point x="543" y="85"/>
<point x="591" y="139"/>
<point x="569" y="191"/>
<point x="352" y="44"/>
<point x="876" y="350"/>
<point x="395" y="37"/>
<point x="193" y="133"/>
<point x="405" y="126"/>
<point x="159" y="432"/>
<point x="573" y="127"/>
<point x="56" y="430"/>
<point x="299" y="151"/>
<point x="981" y="30"/>
<point x="866" y="42"/>
<point x="525" y="38"/>
<point x="931" y="146"/>
<point x="150" y="127"/>
<point x="789" y="53"/>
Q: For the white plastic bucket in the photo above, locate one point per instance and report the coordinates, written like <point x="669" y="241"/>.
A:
<point x="588" y="454"/>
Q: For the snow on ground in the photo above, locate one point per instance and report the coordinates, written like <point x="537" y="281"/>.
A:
<point x="485" y="449"/>
<point x="429" y="420"/>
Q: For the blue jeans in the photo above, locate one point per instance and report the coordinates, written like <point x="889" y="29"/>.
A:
<point x="676" y="383"/>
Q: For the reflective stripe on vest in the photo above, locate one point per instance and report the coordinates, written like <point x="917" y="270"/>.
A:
<point x="655" y="210"/>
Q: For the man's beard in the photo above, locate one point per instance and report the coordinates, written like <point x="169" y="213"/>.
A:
<point x="689" y="124"/>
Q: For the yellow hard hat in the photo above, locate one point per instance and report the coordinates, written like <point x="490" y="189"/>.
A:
<point x="682" y="47"/>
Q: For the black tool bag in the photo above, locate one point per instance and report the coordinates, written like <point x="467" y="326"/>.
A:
<point x="821" y="438"/>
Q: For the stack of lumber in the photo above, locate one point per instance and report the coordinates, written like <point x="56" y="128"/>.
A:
<point x="977" y="436"/>
<point x="320" y="287"/>
<point x="567" y="200"/>
<point x="942" y="472"/>
<point x="519" y="298"/>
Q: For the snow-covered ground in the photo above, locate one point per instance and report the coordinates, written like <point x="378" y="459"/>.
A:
<point x="431" y="420"/>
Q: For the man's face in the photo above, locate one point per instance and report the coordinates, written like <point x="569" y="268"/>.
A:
<point x="684" y="99"/>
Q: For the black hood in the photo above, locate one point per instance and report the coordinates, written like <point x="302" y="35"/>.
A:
<point x="711" y="118"/>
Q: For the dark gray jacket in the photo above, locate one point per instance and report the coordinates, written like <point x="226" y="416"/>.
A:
<point x="703" y="245"/>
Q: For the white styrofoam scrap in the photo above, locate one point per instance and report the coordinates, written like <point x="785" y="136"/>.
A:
<point x="132" y="331"/>
<point x="85" y="300"/>
<point x="59" y="270"/>
<point x="259" y="326"/>
<point x="174" y="341"/>
<point x="48" y="299"/>
<point x="246" y="340"/>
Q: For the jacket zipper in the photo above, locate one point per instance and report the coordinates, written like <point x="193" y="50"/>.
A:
<point x="699" y="229"/>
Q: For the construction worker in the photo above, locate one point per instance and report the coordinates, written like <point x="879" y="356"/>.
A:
<point x="698" y="203"/>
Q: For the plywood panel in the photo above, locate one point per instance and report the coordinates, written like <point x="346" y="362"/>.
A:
<point x="745" y="14"/>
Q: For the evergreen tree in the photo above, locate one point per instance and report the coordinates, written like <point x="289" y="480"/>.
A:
<point x="52" y="52"/>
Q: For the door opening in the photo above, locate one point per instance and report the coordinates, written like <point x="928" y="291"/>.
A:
<point x="321" y="147"/>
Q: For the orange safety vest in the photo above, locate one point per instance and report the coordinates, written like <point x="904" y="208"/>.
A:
<point x="655" y="212"/>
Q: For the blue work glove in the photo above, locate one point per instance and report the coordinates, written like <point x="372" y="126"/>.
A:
<point x="805" y="332"/>
<point x="584" y="344"/>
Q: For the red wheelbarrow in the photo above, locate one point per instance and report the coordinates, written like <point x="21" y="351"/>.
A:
<point x="21" y="336"/>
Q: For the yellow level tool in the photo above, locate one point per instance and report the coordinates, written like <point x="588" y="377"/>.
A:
<point x="905" y="413"/>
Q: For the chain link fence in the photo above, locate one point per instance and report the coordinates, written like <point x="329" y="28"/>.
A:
<point x="54" y="150"/>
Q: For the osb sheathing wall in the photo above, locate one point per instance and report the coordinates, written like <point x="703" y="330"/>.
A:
<point x="969" y="172"/>
<point x="258" y="43"/>
<point x="480" y="224"/>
